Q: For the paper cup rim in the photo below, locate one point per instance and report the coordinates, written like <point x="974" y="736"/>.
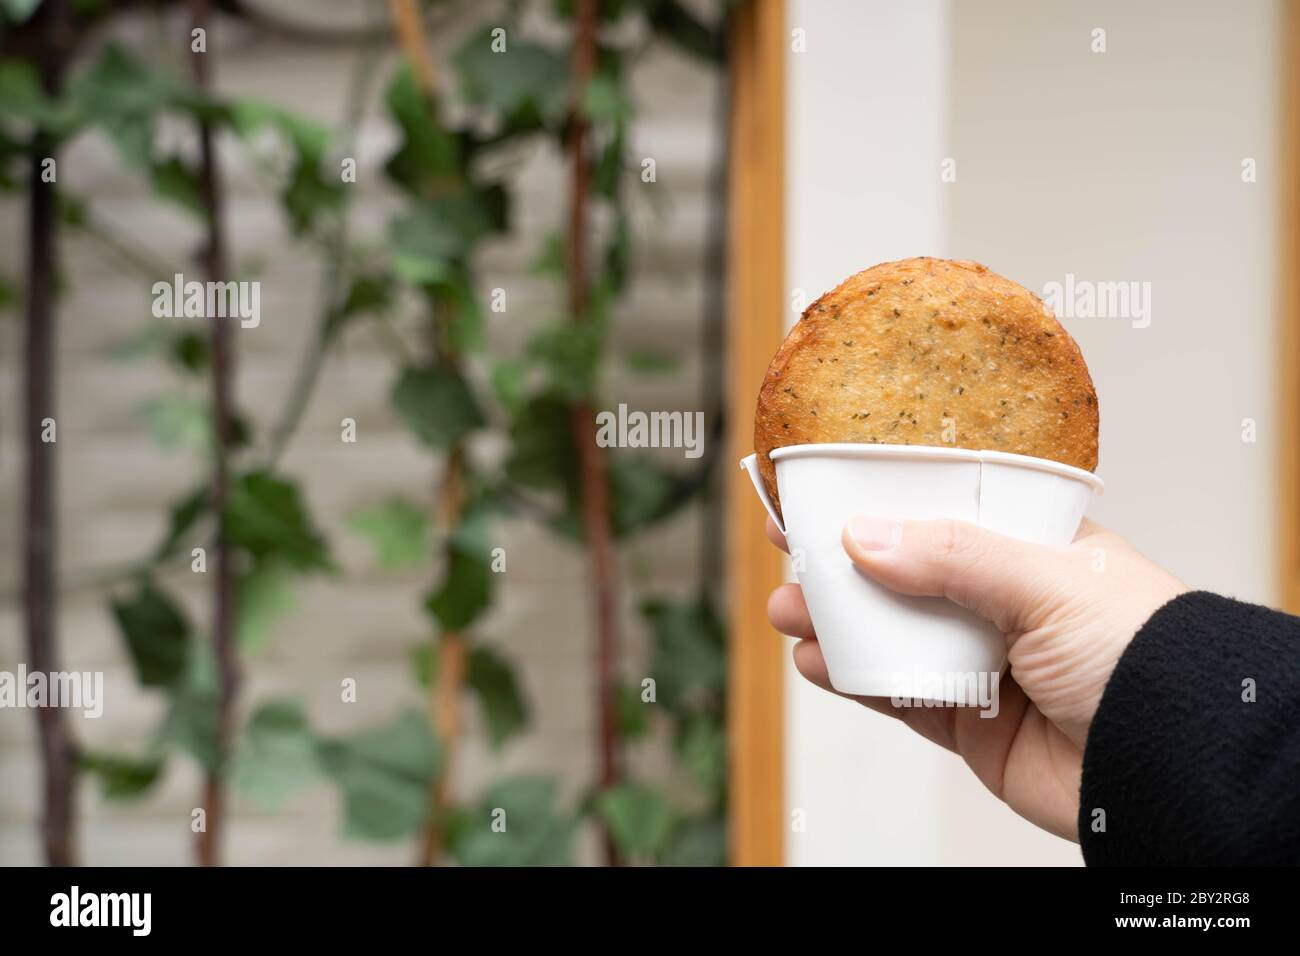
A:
<point x="921" y="452"/>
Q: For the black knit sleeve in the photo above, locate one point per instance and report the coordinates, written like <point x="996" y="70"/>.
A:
<point x="1193" y="757"/>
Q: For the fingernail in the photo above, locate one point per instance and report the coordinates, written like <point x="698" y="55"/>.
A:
<point x="875" y="534"/>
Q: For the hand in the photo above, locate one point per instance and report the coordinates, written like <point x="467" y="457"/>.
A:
<point x="1067" y="613"/>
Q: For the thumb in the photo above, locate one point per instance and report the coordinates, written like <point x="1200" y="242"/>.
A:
<point x="1003" y="580"/>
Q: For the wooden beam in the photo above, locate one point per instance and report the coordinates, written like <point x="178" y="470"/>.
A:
<point x="1288" y="436"/>
<point x="755" y="314"/>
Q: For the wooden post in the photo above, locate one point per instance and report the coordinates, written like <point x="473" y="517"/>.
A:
<point x="756" y="718"/>
<point x="1288" y="436"/>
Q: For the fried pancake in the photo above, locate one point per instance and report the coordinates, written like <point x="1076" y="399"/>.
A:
<point x="929" y="352"/>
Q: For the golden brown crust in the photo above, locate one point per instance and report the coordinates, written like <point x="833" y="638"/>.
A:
<point x="929" y="352"/>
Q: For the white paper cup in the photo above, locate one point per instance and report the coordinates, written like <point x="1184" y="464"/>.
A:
<point x="881" y="644"/>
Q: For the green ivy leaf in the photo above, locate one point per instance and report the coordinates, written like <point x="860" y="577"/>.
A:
<point x="542" y="453"/>
<point x="241" y="431"/>
<point x="639" y="818"/>
<point x="610" y="10"/>
<point x="476" y="211"/>
<point x="473" y="532"/>
<point x="8" y="293"/>
<point x="633" y="712"/>
<point x="266" y="516"/>
<point x="265" y="595"/>
<point x="567" y="524"/>
<point x="308" y="194"/>
<point x="702" y="749"/>
<point x="641" y="493"/>
<point x="368" y="294"/>
<point x="19" y="11"/>
<point x="436" y="403"/>
<point x="277" y="754"/>
<point x="23" y="98"/>
<point x="465" y="591"/>
<point x="464" y="318"/>
<point x="118" y="83"/>
<point x="493" y="679"/>
<point x="604" y="101"/>
<point x="509" y="383"/>
<point x="466" y="588"/>
<point x="249" y="116"/>
<point x="121" y="777"/>
<point x="182" y="517"/>
<point x="151" y="339"/>
<point x="526" y="82"/>
<point x="618" y="256"/>
<point x="384" y="774"/>
<point x="608" y="174"/>
<point x="424" y="664"/>
<point x="674" y="21"/>
<point x="123" y="95"/>
<point x="157" y="635"/>
<point x="515" y="824"/>
<point x="570" y="355"/>
<point x="174" y="180"/>
<point x="397" y="530"/>
<point x="21" y="93"/>
<point x="649" y="362"/>
<point x="697" y="842"/>
<point x="191" y="722"/>
<point x="189" y="350"/>
<point x="689" y="657"/>
<point x="133" y="135"/>
<point x="431" y="239"/>
<point x="73" y="211"/>
<point x="429" y="156"/>
<point x="178" y="421"/>
<point x="551" y="258"/>
<point x="13" y="175"/>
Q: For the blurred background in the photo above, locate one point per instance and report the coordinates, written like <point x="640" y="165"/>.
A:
<point x="403" y="462"/>
<point x="436" y="610"/>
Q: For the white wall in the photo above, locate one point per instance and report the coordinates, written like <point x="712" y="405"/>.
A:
<point x="1127" y="166"/>
<point x="1123" y="165"/>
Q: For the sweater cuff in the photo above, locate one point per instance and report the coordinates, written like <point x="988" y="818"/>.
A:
<point x="1194" y="753"/>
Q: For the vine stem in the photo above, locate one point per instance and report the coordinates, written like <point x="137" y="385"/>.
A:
<point x="308" y="373"/>
<point x="332" y="282"/>
<point x="40" y="527"/>
<point x="593" y="477"/>
<point x="409" y="30"/>
<point x="223" y="594"/>
<point x="133" y="256"/>
<point x="446" y="692"/>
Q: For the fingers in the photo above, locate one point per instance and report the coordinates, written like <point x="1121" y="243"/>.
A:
<point x="808" y="661"/>
<point x="788" y="612"/>
<point x="999" y="578"/>
<point x="775" y="536"/>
